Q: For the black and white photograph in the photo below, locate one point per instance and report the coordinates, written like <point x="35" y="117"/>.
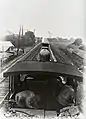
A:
<point x="42" y="59"/>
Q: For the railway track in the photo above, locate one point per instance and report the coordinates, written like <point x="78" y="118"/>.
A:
<point x="4" y="88"/>
<point x="32" y="55"/>
<point x="4" y="84"/>
<point x="60" y="55"/>
<point x="21" y="57"/>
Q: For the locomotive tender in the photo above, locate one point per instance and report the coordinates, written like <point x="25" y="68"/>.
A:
<point x="39" y="77"/>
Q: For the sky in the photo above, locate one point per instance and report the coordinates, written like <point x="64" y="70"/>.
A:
<point x="63" y="18"/>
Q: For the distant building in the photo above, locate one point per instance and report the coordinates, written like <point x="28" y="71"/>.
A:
<point x="5" y="45"/>
<point x="5" y="50"/>
<point x="38" y="39"/>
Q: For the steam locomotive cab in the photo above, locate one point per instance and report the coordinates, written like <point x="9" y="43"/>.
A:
<point x="37" y="84"/>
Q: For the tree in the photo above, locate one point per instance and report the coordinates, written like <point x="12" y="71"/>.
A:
<point x="78" y="42"/>
<point x="21" y="41"/>
<point x="29" y="38"/>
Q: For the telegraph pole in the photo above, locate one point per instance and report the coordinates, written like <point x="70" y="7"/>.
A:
<point x="34" y="31"/>
<point x="49" y="34"/>
<point x="22" y="38"/>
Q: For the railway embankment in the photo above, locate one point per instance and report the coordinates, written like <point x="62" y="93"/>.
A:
<point x="65" y="55"/>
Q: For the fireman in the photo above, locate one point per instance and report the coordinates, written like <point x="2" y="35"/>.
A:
<point x="66" y="96"/>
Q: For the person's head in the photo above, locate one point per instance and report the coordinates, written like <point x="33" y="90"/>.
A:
<point x="64" y="80"/>
<point x="61" y="79"/>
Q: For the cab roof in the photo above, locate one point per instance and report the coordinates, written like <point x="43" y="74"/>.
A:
<point x="43" y="68"/>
